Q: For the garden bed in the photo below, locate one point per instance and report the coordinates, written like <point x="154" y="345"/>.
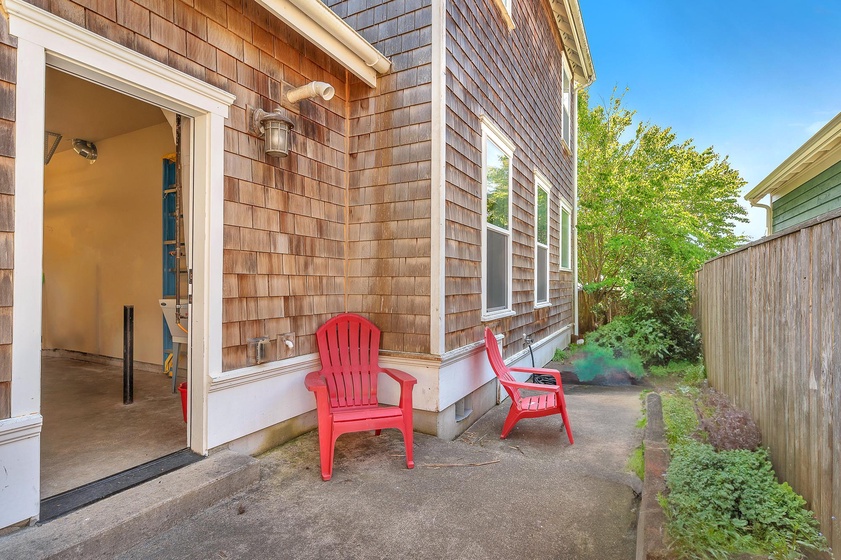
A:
<point x="701" y="501"/>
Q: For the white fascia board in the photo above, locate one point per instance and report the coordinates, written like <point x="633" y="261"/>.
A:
<point x="810" y="152"/>
<point x="322" y="27"/>
<point x="567" y="14"/>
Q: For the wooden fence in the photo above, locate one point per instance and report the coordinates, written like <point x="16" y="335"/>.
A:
<point x="770" y="320"/>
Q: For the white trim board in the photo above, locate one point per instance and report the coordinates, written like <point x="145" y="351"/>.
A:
<point x="20" y="459"/>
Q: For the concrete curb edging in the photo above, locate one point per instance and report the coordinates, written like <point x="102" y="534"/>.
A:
<point x="652" y="520"/>
<point x="111" y="526"/>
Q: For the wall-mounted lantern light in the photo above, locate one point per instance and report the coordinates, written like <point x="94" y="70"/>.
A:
<point x="274" y="128"/>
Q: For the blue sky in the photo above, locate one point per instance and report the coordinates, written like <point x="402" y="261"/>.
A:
<point x="755" y="80"/>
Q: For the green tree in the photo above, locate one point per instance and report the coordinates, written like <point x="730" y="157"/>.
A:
<point x="646" y="201"/>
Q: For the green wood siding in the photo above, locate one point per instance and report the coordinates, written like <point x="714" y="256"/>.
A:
<point x="815" y="197"/>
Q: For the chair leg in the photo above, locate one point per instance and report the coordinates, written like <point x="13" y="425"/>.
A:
<point x="377" y="432"/>
<point x="326" y="443"/>
<point x="408" y="437"/>
<point x="566" y="421"/>
<point x="510" y="421"/>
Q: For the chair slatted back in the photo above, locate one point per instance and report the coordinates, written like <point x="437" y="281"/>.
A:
<point x="349" y="347"/>
<point x="498" y="364"/>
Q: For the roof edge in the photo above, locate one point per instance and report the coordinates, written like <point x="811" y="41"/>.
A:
<point x="810" y="152"/>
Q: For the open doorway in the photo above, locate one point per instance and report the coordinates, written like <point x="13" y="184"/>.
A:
<point x="108" y="242"/>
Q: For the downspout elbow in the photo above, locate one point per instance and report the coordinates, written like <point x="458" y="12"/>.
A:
<point x="310" y="90"/>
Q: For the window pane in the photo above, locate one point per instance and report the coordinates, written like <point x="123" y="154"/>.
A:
<point x="565" y="238"/>
<point x="542" y="216"/>
<point x="497" y="272"/>
<point x="498" y="168"/>
<point x="542" y="278"/>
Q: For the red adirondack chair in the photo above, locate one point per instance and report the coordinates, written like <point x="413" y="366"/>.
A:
<point x="346" y="387"/>
<point x="551" y="401"/>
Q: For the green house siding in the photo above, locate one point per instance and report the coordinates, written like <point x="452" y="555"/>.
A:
<point x="815" y="197"/>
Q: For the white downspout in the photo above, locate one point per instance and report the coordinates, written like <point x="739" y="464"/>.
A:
<point x="769" y="216"/>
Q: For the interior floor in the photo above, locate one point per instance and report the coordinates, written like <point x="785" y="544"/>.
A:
<point x="89" y="434"/>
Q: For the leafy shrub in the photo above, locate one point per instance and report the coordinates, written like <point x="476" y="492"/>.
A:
<point x="729" y="502"/>
<point x="645" y="339"/>
<point x="728" y="427"/>
<point x="661" y="296"/>
<point x="597" y="360"/>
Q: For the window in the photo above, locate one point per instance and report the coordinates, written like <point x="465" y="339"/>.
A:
<point x="497" y="152"/>
<point x="541" y="242"/>
<point x="566" y="102"/>
<point x="566" y="237"/>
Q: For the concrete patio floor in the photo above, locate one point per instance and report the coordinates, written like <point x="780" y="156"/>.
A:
<point x="537" y="496"/>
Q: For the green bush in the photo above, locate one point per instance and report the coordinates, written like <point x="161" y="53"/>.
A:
<point x="729" y="502"/>
<point x="658" y="300"/>
<point x="627" y="337"/>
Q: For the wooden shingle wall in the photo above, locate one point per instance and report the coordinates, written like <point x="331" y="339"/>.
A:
<point x="7" y="211"/>
<point x="389" y="194"/>
<point x="284" y="218"/>
<point x="513" y="77"/>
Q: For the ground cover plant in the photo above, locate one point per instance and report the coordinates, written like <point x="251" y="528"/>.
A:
<point x="722" y="503"/>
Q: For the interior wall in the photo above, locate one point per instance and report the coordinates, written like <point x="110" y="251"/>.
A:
<point x="102" y="245"/>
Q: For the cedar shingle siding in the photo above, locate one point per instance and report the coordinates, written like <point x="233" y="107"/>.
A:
<point x="515" y="79"/>
<point x="390" y="152"/>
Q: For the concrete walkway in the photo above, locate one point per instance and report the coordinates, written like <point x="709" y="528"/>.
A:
<point x="538" y="497"/>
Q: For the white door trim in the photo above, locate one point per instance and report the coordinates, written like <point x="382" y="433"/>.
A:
<point x="44" y="39"/>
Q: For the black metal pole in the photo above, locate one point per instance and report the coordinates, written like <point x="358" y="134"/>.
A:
<point x="128" y="354"/>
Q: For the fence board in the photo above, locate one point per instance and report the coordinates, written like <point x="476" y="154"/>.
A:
<point x="770" y="321"/>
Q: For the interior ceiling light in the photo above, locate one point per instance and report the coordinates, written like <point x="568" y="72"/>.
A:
<point x="85" y="148"/>
<point x="51" y="140"/>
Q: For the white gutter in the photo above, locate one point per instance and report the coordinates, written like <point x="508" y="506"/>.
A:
<point x="333" y="35"/>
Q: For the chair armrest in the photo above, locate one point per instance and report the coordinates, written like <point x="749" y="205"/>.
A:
<point x="400" y="376"/>
<point x="531" y="386"/>
<point x="407" y="383"/>
<point x="315" y="382"/>
<point x="541" y="371"/>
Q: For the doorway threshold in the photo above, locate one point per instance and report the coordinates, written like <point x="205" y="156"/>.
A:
<point x="71" y="500"/>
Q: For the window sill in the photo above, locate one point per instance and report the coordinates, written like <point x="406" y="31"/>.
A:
<point x="506" y="16"/>
<point x="564" y="269"/>
<point x="494" y="315"/>
<point x="566" y="148"/>
<point x="542" y="305"/>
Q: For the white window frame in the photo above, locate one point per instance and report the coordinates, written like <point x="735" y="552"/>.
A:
<point x="506" y="9"/>
<point x="566" y="105"/>
<point x="565" y="207"/>
<point x="492" y="133"/>
<point x="541" y="183"/>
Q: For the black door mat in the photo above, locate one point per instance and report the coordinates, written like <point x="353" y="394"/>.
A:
<point x="64" y="503"/>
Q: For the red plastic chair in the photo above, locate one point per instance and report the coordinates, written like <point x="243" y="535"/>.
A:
<point x="550" y="402"/>
<point x="346" y="387"/>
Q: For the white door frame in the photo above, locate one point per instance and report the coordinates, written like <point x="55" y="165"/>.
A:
<point x="47" y="40"/>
